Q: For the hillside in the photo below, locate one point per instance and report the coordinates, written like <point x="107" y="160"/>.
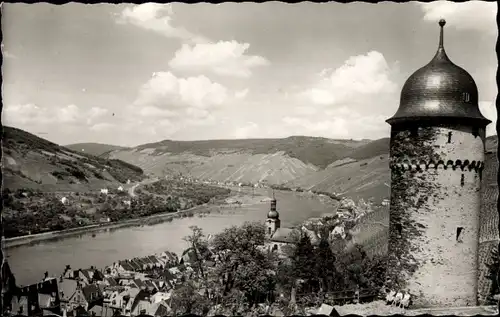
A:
<point x="275" y="161"/>
<point x="363" y="174"/>
<point x="32" y="162"/>
<point x="96" y="149"/>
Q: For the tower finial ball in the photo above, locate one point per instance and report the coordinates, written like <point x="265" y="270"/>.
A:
<point x="442" y="22"/>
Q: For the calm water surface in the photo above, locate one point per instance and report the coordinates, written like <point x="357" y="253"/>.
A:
<point x="29" y="262"/>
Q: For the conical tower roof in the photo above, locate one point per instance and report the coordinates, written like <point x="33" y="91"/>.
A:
<point x="440" y="90"/>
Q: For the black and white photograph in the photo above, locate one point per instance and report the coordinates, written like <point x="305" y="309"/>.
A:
<point x="249" y="159"/>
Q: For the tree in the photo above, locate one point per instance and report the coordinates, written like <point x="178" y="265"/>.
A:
<point x="243" y="266"/>
<point x="493" y="272"/>
<point x="304" y="263"/>
<point x="325" y="268"/>
<point x="186" y="300"/>
<point x="199" y="246"/>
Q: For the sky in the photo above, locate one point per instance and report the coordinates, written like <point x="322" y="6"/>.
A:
<point x="133" y="74"/>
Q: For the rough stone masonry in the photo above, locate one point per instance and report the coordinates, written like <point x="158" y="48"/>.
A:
<point x="434" y="214"/>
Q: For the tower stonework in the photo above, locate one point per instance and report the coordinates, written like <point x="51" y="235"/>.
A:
<point x="437" y="159"/>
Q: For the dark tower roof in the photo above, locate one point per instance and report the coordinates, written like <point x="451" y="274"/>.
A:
<point x="439" y="90"/>
<point x="273" y="213"/>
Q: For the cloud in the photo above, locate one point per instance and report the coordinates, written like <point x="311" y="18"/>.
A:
<point x="158" y="18"/>
<point x="5" y="53"/>
<point x="488" y="109"/>
<point x="31" y="116"/>
<point x="359" y="76"/>
<point x="225" y="58"/>
<point x="167" y="104"/>
<point x="68" y="114"/>
<point x="246" y="131"/>
<point x="340" y="123"/>
<point x="103" y="126"/>
<point x="164" y="90"/>
<point x="473" y="15"/>
<point x="241" y="94"/>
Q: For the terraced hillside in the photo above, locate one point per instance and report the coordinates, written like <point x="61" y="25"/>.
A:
<point x="275" y="161"/>
<point x="96" y="149"/>
<point x="32" y="162"/>
<point x="368" y="179"/>
<point x="489" y="235"/>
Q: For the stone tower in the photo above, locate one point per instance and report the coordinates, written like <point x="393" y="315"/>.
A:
<point x="437" y="158"/>
<point x="273" y="219"/>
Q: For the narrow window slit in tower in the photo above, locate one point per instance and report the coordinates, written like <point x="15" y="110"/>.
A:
<point x="459" y="232"/>
<point x="399" y="228"/>
<point x="269" y="230"/>
<point x="466" y="96"/>
<point x="475" y="132"/>
<point x="462" y="180"/>
<point x="449" y="137"/>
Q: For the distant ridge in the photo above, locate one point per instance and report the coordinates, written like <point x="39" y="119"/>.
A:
<point x="32" y="162"/>
<point x="96" y="149"/>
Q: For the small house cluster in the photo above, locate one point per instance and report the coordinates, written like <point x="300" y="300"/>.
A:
<point x="132" y="287"/>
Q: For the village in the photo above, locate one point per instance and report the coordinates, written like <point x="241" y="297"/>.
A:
<point x="145" y="285"/>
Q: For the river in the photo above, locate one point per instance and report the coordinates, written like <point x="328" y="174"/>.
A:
<point x="29" y="262"/>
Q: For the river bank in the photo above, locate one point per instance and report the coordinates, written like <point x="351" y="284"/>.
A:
<point x="14" y="242"/>
<point x="54" y="235"/>
<point x="143" y="237"/>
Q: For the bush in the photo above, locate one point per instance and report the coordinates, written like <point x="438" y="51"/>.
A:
<point x="59" y="174"/>
<point x="76" y="173"/>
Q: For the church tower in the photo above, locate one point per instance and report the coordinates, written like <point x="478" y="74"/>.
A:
<point x="437" y="157"/>
<point x="273" y="219"/>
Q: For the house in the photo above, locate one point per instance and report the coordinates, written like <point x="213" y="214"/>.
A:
<point x="117" y="299"/>
<point x="101" y="311"/>
<point x="88" y="276"/>
<point x="109" y="281"/>
<point x="67" y="288"/>
<point x="128" y="300"/>
<point x="313" y="236"/>
<point x="47" y="301"/>
<point x="338" y="231"/>
<point x="160" y="296"/>
<point x="327" y="310"/>
<point x="92" y="294"/>
<point x="141" y="304"/>
<point x="159" y="309"/>
<point x="64" y="201"/>
<point x="150" y="286"/>
<point x="120" y="188"/>
<point x="19" y="305"/>
<point x="139" y="284"/>
<point x="77" y="299"/>
<point x="104" y="191"/>
<point x="127" y="203"/>
<point x="282" y="237"/>
<point x="125" y="266"/>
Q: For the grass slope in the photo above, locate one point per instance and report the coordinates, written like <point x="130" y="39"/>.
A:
<point x="96" y="149"/>
<point x="32" y="162"/>
<point x="275" y="161"/>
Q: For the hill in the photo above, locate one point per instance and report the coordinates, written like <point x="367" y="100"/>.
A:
<point x="275" y="161"/>
<point x="32" y="162"/>
<point x="96" y="149"/>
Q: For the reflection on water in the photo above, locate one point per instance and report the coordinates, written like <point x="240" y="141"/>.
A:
<point x="29" y="262"/>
